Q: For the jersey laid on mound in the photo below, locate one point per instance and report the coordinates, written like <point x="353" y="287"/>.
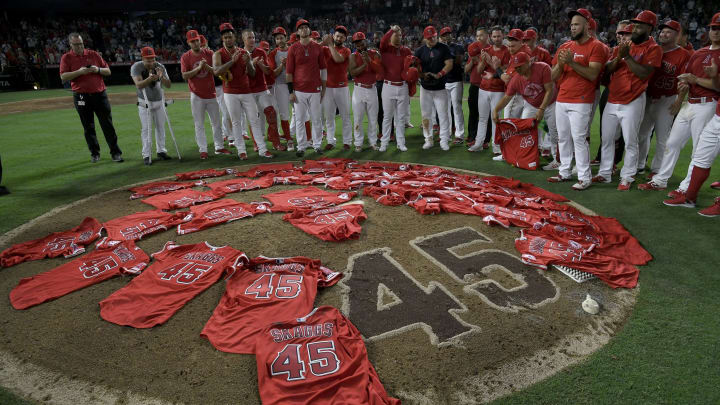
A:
<point x="203" y="174"/>
<point x="334" y="224"/>
<point x="179" y="273"/>
<point x="109" y="259"/>
<point x="224" y="187"/>
<point x="317" y="359"/>
<point x="161" y="187"/>
<point x="67" y="243"/>
<point x="268" y="289"/>
<point x="218" y="212"/>
<point x="180" y="199"/>
<point x="138" y="225"/>
<point x="308" y="198"/>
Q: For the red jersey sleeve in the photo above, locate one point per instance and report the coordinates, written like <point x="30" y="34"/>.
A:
<point x="653" y="57"/>
<point x="290" y="65"/>
<point x="64" y="64"/>
<point x="597" y="53"/>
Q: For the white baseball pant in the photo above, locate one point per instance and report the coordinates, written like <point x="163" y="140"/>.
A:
<point x="431" y="101"/>
<point x="529" y="111"/>
<point x="148" y="116"/>
<point x="407" y="110"/>
<point x="199" y="106"/>
<point x="708" y="146"/>
<point x="226" y="121"/>
<point x="628" y="118"/>
<point x="337" y="98"/>
<point x="282" y="100"/>
<point x="657" y="116"/>
<point x="455" y="93"/>
<point x="394" y="100"/>
<point x="365" y="101"/>
<point x="243" y="106"/>
<point x="598" y="96"/>
<point x="573" y="121"/>
<point x="514" y="108"/>
<point x="308" y="103"/>
<point x="487" y="100"/>
<point x="689" y="122"/>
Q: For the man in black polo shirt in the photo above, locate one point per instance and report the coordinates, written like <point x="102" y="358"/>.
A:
<point x="454" y="85"/>
<point x="437" y="62"/>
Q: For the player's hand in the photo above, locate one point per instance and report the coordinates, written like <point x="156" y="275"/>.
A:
<point x="293" y="99"/>
<point x="539" y="115"/>
<point x="365" y="57"/>
<point x="712" y="70"/>
<point x="236" y="56"/>
<point x="475" y="59"/>
<point x="85" y="70"/>
<point x="505" y="77"/>
<point x="687" y="78"/>
<point x="488" y="75"/>
<point x="245" y="56"/>
<point x="283" y="62"/>
<point x="153" y="76"/>
<point x="566" y="56"/>
<point x="485" y="56"/>
<point x="256" y="60"/>
<point x="95" y="69"/>
<point x="495" y="117"/>
<point x="327" y="40"/>
<point x="623" y="49"/>
<point x="675" y="107"/>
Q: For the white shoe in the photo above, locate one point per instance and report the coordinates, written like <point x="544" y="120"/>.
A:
<point x="358" y="149"/>
<point x="581" y="185"/>
<point x="428" y="145"/>
<point x="554" y="165"/>
<point x="383" y="148"/>
<point x="477" y="146"/>
<point x="402" y="148"/>
<point x="498" y="158"/>
<point x="444" y="146"/>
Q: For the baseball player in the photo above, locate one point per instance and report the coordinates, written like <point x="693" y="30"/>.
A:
<point x="576" y="66"/>
<point x="662" y="96"/>
<point x="196" y="68"/>
<point x="306" y="75"/>
<point x="394" y="91"/>
<point x="364" y="65"/>
<point x="84" y="69"/>
<point x="260" y="92"/>
<point x="514" y="108"/>
<point x="481" y="42"/>
<point x="219" y="96"/>
<point x="537" y="53"/>
<point x="693" y="116"/>
<point x="237" y="62"/>
<point x="337" y="94"/>
<point x="630" y="67"/>
<point x="454" y="85"/>
<point x="437" y="61"/>
<point x="493" y="60"/>
<point x="278" y="59"/>
<point x="148" y="75"/>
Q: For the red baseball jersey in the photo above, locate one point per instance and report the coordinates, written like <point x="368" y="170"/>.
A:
<point x="90" y="83"/>
<point x="337" y="73"/>
<point x="308" y="198"/>
<point x="180" y="199"/>
<point x="260" y="170"/>
<point x="240" y="83"/>
<point x="319" y="359"/>
<point x="518" y="141"/>
<point x="304" y="62"/>
<point x="325" y="165"/>
<point x="201" y="174"/>
<point x="136" y="226"/>
<point x="696" y="65"/>
<point x="532" y="88"/>
<point x="495" y="84"/>
<point x="258" y="83"/>
<point x="67" y="243"/>
<point x="333" y="224"/>
<point x="202" y="84"/>
<point x="663" y="82"/>
<point x="240" y="184"/>
<point x="369" y="75"/>
<point x="109" y="259"/>
<point x="506" y="216"/>
<point x="160" y="187"/>
<point x="218" y="212"/>
<point x="177" y="275"/>
<point x="625" y="86"/>
<point x="475" y="76"/>
<point x="573" y="88"/>
<point x="540" y="54"/>
<point x="393" y="58"/>
<point x="267" y="289"/>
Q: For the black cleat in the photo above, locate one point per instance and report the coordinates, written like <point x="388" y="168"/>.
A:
<point x="117" y="158"/>
<point x="94" y="158"/>
<point x="147" y="161"/>
<point x="164" y="156"/>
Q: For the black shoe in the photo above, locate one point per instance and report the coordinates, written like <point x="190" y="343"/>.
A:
<point x="4" y="190"/>
<point x="300" y="153"/>
<point x="147" y="161"/>
<point x="318" y="151"/>
<point x="117" y="158"/>
<point x="164" y="156"/>
<point x="94" y="158"/>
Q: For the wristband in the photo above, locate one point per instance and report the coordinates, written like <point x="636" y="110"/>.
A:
<point x="441" y="74"/>
<point x="290" y="87"/>
<point x="498" y="73"/>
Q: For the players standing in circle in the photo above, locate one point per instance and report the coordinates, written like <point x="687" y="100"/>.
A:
<point x="148" y="76"/>
<point x="481" y="42"/>
<point x="337" y="94"/>
<point x="84" y="69"/>
<point x="395" y="90"/>
<point x="454" y="85"/>
<point x="278" y="59"/>
<point x="364" y="65"/>
<point x="306" y="75"/>
<point x="220" y="98"/>
<point x="196" y="68"/>
<point x="577" y="65"/>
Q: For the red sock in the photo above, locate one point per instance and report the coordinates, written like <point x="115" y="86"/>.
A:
<point x="286" y="129"/>
<point x="697" y="178"/>
<point x="271" y="118"/>
<point x="308" y="132"/>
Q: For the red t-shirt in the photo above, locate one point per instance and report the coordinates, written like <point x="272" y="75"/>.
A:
<point x="258" y="83"/>
<point x="540" y="54"/>
<point x="337" y="73"/>
<point x="475" y="76"/>
<point x="240" y="83"/>
<point x="177" y="275"/>
<point x="136" y="226"/>
<point x="266" y="290"/>
<point x="109" y="259"/>
<point x="305" y="62"/>
<point x="160" y="187"/>
<point x="625" y="86"/>
<point x="518" y="140"/>
<point x="319" y="359"/>
<point x="259" y="170"/>
<point x="393" y="58"/>
<point x="333" y="224"/>
<point x="573" y="88"/>
<point x="89" y="83"/>
<point x="202" y="84"/>
<point x="67" y="243"/>
<point x="532" y="89"/>
<point x="663" y="82"/>
<point x="218" y="212"/>
<point x="180" y="199"/>
<point x="698" y="61"/>
<point x="495" y="85"/>
<point x="369" y="75"/>
<point x="306" y="198"/>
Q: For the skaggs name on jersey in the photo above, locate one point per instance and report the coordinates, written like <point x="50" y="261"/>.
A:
<point x="296" y="268"/>
<point x="207" y="257"/>
<point x="302" y="331"/>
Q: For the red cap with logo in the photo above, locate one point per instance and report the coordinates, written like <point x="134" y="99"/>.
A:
<point x="516" y="60"/>
<point x="628" y="29"/>
<point x="429" y="32"/>
<point x="341" y="28"/>
<point x="315" y="35"/>
<point x="264" y="45"/>
<point x="279" y="31"/>
<point x="474" y="49"/>
<point x="147" y="52"/>
<point x="715" y="20"/>
<point x="203" y="40"/>
<point x="529" y="34"/>
<point x="445" y="30"/>
<point x="192" y="35"/>
<point x="645" y="17"/>
<point x="516" y="34"/>
<point x="672" y="24"/>
<point x="226" y="27"/>
<point x="358" y="36"/>
<point x="592" y="25"/>
<point x="585" y="13"/>
<point x="300" y="23"/>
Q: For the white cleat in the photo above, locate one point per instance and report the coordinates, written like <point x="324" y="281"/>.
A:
<point x="427" y="145"/>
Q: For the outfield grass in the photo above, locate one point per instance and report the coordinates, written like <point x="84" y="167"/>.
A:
<point x="669" y="352"/>
<point x="53" y="93"/>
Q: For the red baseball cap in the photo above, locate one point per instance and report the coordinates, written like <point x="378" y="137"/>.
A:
<point x="264" y="45"/>
<point x="516" y="60"/>
<point x="315" y="34"/>
<point x="715" y="20"/>
<point x="300" y="23"/>
<point x="646" y="17"/>
<point x="529" y="34"/>
<point x="593" y="24"/>
<point x="672" y="24"/>
<point x="445" y="30"/>
<point x="429" y="32"/>
<point x="585" y="13"/>
<point x="279" y="31"/>
<point x="412" y="75"/>
<point x="203" y="40"/>
<point x="293" y="37"/>
<point x="342" y="29"/>
<point x="627" y="30"/>
<point x="358" y="36"/>
<point x="516" y="34"/>
<point x="226" y="27"/>
<point x="474" y="49"/>
<point x="192" y="35"/>
<point x="147" y="52"/>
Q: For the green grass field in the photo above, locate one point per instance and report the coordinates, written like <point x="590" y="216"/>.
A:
<point x="669" y="351"/>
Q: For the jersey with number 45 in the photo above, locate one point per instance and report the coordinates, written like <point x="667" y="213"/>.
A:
<point x="179" y="273"/>
<point x="267" y="290"/>
<point x="317" y="359"/>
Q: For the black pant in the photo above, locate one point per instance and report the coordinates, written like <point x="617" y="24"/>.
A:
<point x="88" y="105"/>
<point x="473" y="112"/>
<point x="378" y="86"/>
<point x="620" y="143"/>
